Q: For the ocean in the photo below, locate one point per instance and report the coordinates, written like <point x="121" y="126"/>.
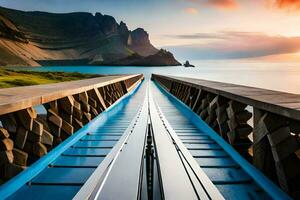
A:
<point x="275" y="76"/>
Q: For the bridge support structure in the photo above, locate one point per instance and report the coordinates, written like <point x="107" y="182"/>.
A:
<point x="270" y="142"/>
<point x="35" y="119"/>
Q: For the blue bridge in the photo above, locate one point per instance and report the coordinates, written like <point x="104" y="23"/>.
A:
<point x="153" y="142"/>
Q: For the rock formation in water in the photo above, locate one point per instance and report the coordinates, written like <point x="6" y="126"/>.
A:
<point x="40" y="38"/>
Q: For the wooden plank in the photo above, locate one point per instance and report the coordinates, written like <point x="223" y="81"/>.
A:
<point x="6" y="144"/>
<point x="21" y="137"/>
<point x="14" y="99"/>
<point x="6" y="157"/>
<point x="20" y="157"/>
<point x="3" y="133"/>
<point x="282" y="103"/>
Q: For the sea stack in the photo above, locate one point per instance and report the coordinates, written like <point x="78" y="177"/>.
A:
<point x="187" y="64"/>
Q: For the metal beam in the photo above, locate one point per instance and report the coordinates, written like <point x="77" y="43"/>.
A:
<point x="181" y="176"/>
<point x="121" y="174"/>
<point x="123" y="179"/>
<point x="110" y="177"/>
<point x="202" y="184"/>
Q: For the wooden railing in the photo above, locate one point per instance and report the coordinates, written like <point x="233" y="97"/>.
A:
<point x="228" y="109"/>
<point x="27" y="135"/>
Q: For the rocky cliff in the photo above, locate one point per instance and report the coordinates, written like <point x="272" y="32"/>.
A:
<point x="160" y="58"/>
<point x="40" y="38"/>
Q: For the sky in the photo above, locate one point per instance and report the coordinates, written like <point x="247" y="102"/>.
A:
<point x="199" y="29"/>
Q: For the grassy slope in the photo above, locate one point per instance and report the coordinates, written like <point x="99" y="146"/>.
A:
<point x="12" y="78"/>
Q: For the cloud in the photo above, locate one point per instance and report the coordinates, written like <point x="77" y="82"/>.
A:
<point x="217" y="35"/>
<point x="218" y="4"/>
<point x="198" y="36"/>
<point x="288" y="5"/>
<point x="236" y="45"/>
<point x="223" y="4"/>
<point x="191" y="10"/>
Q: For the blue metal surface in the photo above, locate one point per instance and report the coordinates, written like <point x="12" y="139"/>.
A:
<point x="107" y="132"/>
<point x="100" y="137"/>
<point x="94" y="144"/>
<point x="123" y="165"/>
<point x="201" y="137"/>
<point x="77" y="161"/>
<point x="203" y="146"/>
<point x="50" y="191"/>
<point x="62" y="172"/>
<point x="226" y="175"/>
<point x="232" y="174"/>
<point x="62" y="175"/>
<point x="86" y="152"/>
<point x="216" y="162"/>
<point x="208" y="153"/>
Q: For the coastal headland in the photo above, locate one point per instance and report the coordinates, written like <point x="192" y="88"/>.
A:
<point x="40" y="38"/>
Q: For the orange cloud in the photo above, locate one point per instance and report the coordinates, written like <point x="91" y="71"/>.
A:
<point x="223" y="4"/>
<point x="291" y="5"/>
<point x="223" y="45"/>
<point x="191" y="10"/>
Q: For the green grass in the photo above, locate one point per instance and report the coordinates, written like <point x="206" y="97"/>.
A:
<point x="14" y="78"/>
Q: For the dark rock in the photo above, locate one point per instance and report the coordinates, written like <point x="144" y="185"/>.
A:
<point x="161" y="58"/>
<point x="10" y="31"/>
<point x="124" y="32"/>
<point x="187" y="64"/>
<point x="123" y="29"/>
<point x="72" y="39"/>
<point x="107" y="24"/>
<point x="139" y="41"/>
<point x="139" y="37"/>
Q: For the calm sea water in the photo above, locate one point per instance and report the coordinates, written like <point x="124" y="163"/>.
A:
<point x="276" y="76"/>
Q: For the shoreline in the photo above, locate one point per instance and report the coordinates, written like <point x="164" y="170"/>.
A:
<point x="137" y="66"/>
<point x="17" y="77"/>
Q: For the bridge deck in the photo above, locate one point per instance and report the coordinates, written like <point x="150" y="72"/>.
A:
<point x="231" y="180"/>
<point x="186" y="143"/>
<point x="63" y="178"/>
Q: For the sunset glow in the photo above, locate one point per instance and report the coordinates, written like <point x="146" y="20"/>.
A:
<point x="149" y="99"/>
<point x="270" y="27"/>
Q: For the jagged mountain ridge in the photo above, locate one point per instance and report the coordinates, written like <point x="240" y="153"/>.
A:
<point x="40" y="38"/>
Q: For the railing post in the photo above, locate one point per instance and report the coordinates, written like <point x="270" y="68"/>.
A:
<point x="262" y="154"/>
<point x="239" y="129"/>
<point x="275" y="149"/>
<point x="222" y="116"/>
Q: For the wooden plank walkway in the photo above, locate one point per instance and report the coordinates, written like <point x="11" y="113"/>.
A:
<point x="18" y="98"/>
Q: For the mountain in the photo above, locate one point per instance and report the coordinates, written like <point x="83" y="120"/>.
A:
<point x="161" y="58"/>
<point x="40" y="38"/>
